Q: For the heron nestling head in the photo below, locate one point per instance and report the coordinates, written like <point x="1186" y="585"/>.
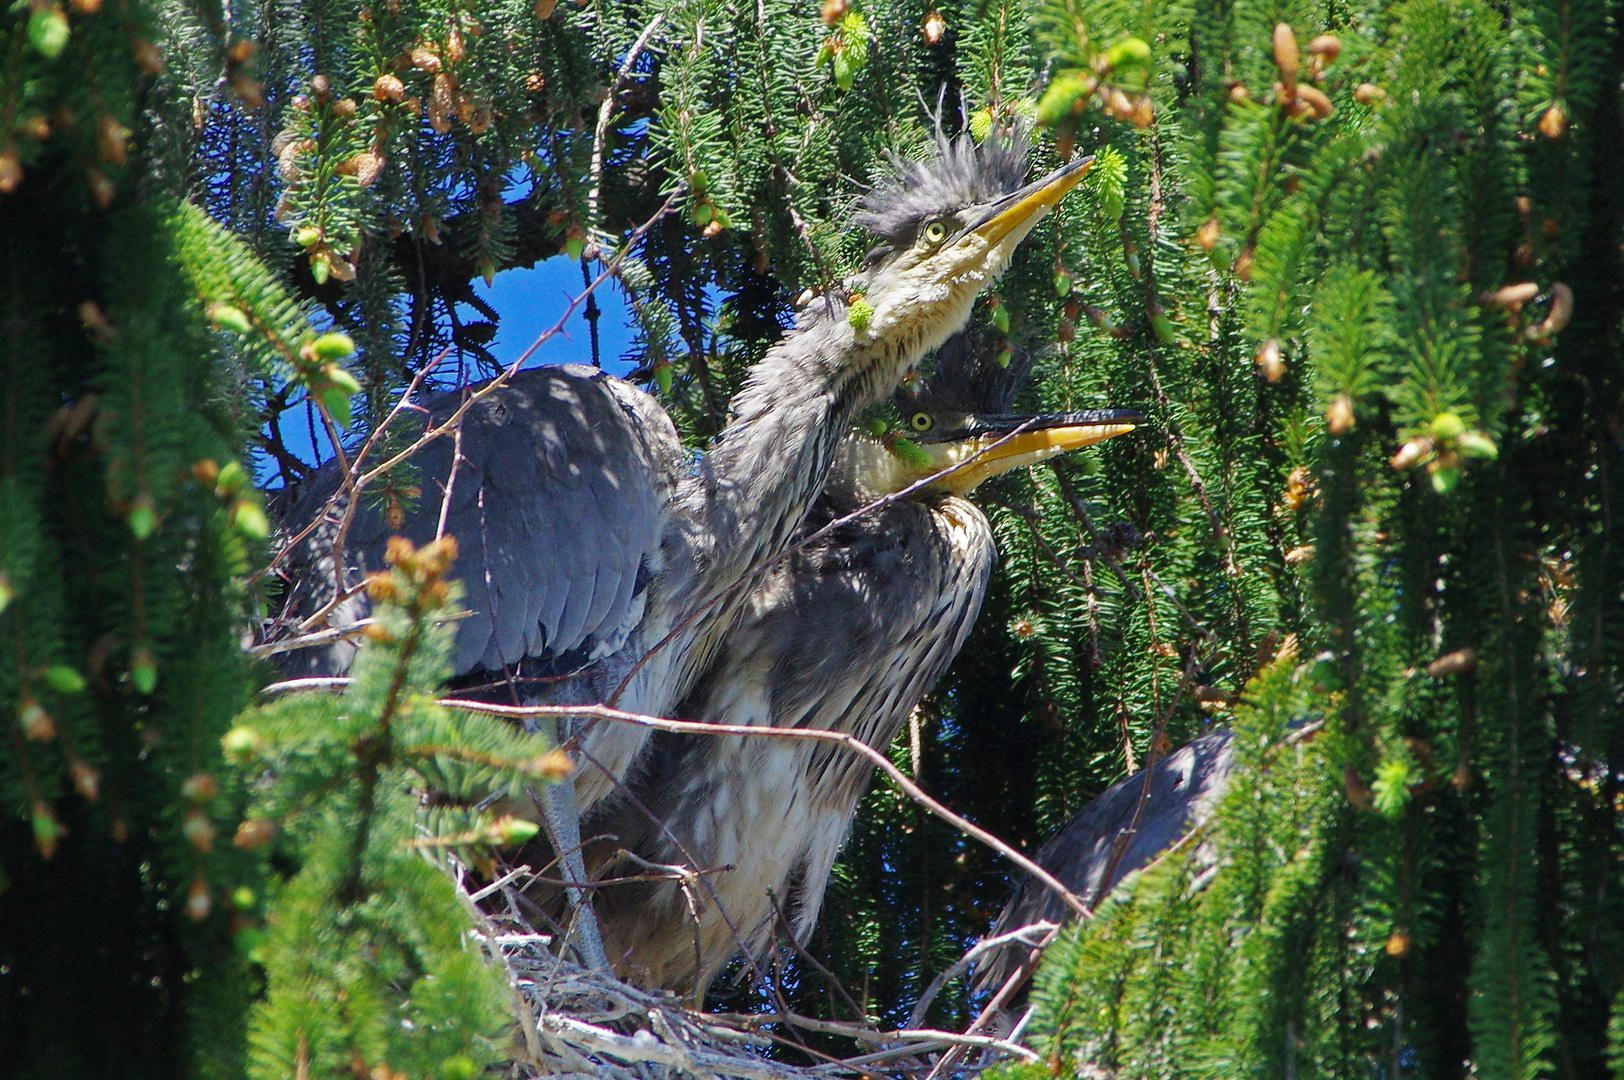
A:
<point x="959" y="419"/>
<point x="946" y="229"/>
<point x="981" y="446"/>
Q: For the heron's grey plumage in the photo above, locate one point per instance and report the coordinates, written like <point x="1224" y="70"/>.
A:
<point x="1185" y="787"/>
<point x="847" y="633"/>
<point x="559" y="505"/>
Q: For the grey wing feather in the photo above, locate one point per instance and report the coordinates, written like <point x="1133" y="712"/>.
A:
<point x="1184" y="787"/>
<point x="560" y="501"/>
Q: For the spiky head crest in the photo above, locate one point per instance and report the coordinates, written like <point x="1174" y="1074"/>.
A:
<point x="961" y="174"/>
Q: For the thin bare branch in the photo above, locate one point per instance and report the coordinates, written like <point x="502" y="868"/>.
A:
<point x="841" y="738"/>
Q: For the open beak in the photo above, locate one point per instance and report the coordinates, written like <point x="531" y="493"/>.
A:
<point x="1026" y="206"/>
<point x="1036" y="438"/>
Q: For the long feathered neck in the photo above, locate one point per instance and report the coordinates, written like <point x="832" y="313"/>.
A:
<point x="783" y="430"/>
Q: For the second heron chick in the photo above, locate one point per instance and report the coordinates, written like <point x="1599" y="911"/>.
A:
<point x="846" y="633"/>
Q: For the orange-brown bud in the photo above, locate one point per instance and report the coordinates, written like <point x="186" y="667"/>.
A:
<point x="11" y="172"/>
<point x="1511" y="296"/>
<point x="555" y="765"/>
<point x="1458" y="662"/>
<point x="399" y="551"/>
<point x="112" y="140"/>
<point x="199" y="788"/>
<point x="253" y="833"/>
<point x="935" y="28"/>
<point x="198" y="901"/>
<point x="388" y="88"/>
<point x="1412" y="453"/>
<point x="442" y="103"/>
<point x="1328" y="46"/>
<point x="1270" y="362"/>
<point x="1554" y="122"/>
<point x="1339" y="415"/>
<point x="1315" y="99"/>
<point x="198" y="829"/>
<point x="1285" y="54"/>
<point x="1207" y="235"/>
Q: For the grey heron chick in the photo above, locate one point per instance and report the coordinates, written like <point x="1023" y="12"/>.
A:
<point x="845" y="634"/>
<point x="586" y="538"/>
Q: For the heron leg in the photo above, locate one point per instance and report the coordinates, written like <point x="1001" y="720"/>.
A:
<point x="564" y="825"/>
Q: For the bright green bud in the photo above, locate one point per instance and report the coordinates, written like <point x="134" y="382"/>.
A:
<point x="1000" y="318"/>
<point x="249" y="517"/>
<point x="337" y="404"/>
<point x="143" y="517"/>
<point x="320" y="268"/>
<point x="330" y="347"/>
<point x="307" y="235"/>
<point x="1163" y="328"/>
<point x="48" y="31"/>
<point x="64" y="680"/>
<point x="1444" y="478"/>
<point x="876" y="427"/>
<point x="511" y="832"/>
<point x="7" y="593"/>
<point x="702" y="214"/>
<point x="1129" y="52"/>
<point x="241" y="743"/>
<point x="981" y="125"/>
<point x="144" y="670"/>
<point x="573" y="247"/>
<point x="232" y="479"/>
<point x="1447" y="426"/>
<point x="1005" y="356"/>
<point x="227" y="317"/>
<point x="1392" y="787"/>
<point x="1477" y="444"/>
<point x="860" y="314"/>
<point x="1060" y="100"/>
<point x="845" y="67"/>
<point x="46" y="830"/>
<point x="460" y="1067"/>
<point x="243" y="898"/>
<point x="909" y="451"/>
<point x="1062" y="284"/>
<point x="341" y="379"/>
<point x="663" y="378"/>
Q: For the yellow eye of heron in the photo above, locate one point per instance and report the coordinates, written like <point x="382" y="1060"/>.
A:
<point x="933" y="233"/>
<point x="921" y="421"/>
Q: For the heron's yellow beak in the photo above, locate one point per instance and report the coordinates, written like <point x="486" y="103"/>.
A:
<point x="985" y="455"/>
<point x="1025" y="206"/>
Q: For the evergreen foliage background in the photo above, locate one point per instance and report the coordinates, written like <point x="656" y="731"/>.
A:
<point x="1377" y="492"/>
